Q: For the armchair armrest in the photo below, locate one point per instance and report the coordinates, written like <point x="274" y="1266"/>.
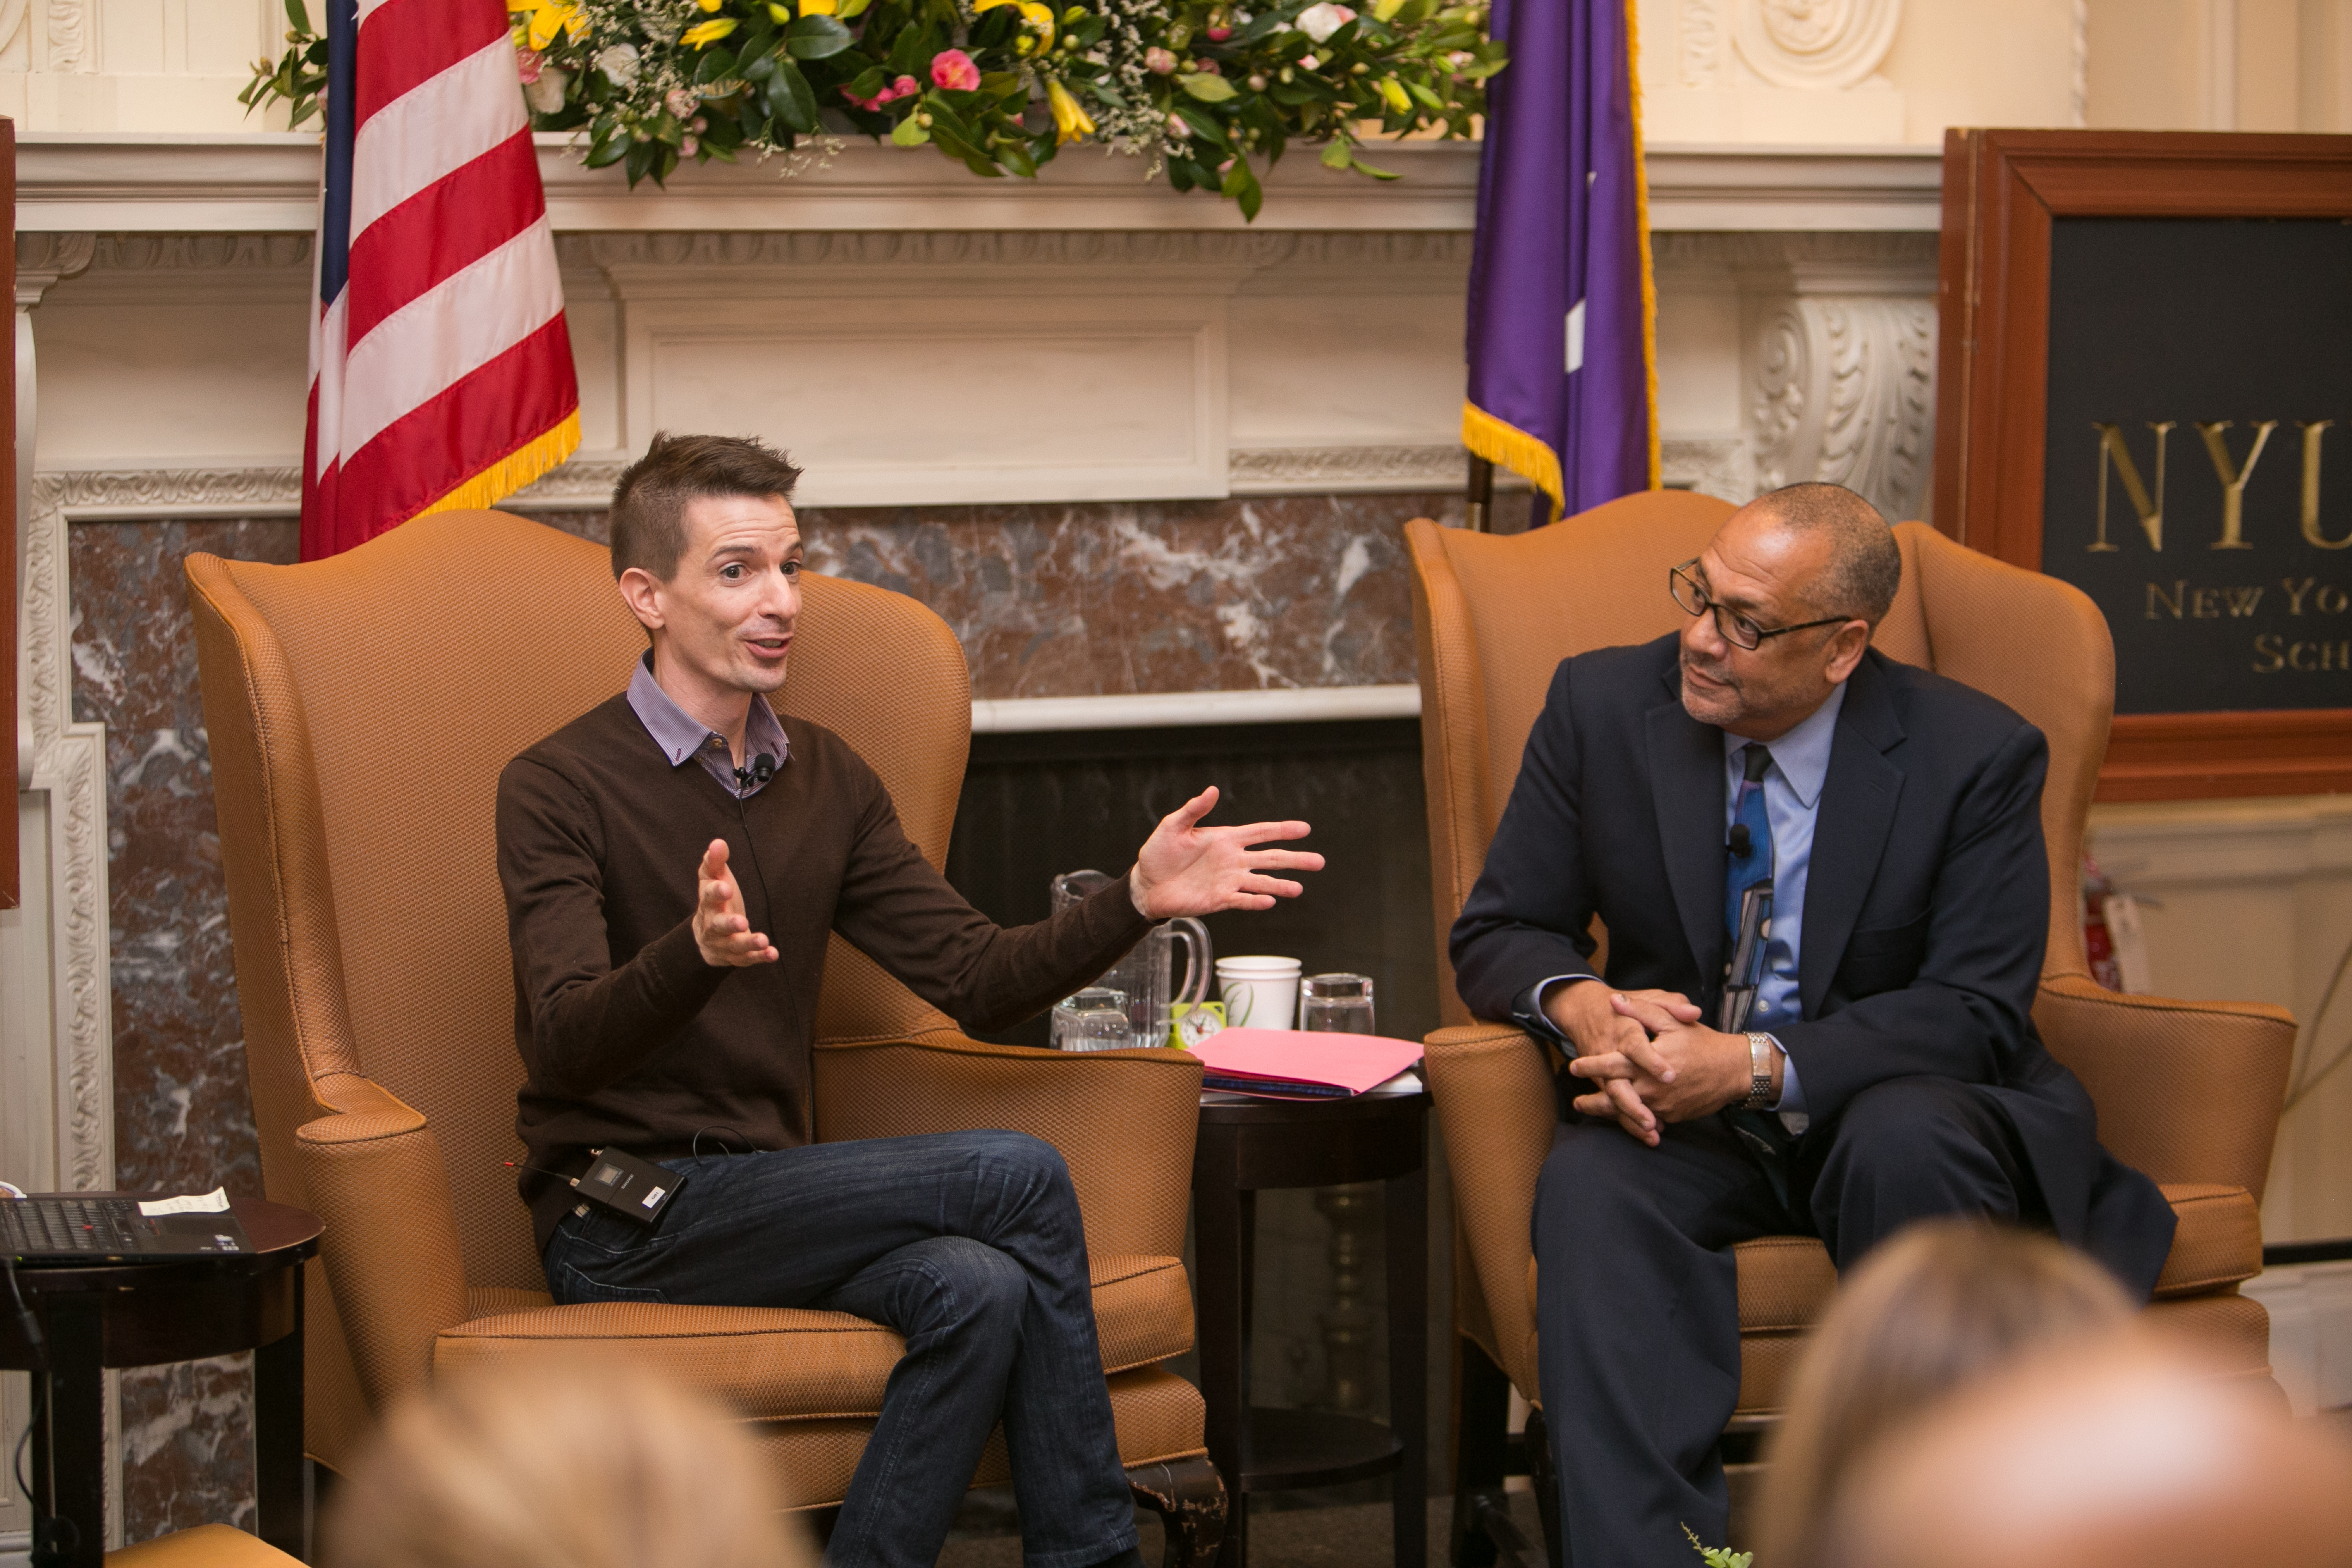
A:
<point x="1123" y="1121"/>
<point x="2187" y="1092"/>
<point x="375" y="1177"/>
<point x="1495" y="1111"/>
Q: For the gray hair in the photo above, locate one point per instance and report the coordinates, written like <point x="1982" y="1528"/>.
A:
<point x="1865" y="565"/>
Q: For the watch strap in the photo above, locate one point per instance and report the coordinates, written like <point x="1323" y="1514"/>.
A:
<point x="1759" y="1072"/>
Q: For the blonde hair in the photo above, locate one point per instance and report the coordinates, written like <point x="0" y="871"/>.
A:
<point x="1939" y="1306"/>
<point x="564" y="1464"/>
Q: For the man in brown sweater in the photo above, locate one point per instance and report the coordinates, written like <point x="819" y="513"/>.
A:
<point x="661" y="1012"/>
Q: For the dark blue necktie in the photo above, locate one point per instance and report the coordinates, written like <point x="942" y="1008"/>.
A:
<point x="1752" y="843"/>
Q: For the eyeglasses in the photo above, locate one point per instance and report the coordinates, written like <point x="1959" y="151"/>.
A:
<point x="1735" y="628"/>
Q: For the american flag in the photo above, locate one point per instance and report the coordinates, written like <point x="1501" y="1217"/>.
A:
<point x="440" y="370"/>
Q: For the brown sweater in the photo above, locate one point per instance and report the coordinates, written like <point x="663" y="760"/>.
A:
<point x="629" y="1038"/>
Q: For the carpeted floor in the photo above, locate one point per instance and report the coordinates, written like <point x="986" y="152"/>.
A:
<point x="1349" y="1535"/>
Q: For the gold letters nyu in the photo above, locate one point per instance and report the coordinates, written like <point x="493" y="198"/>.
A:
<point x="2233" y="473"/>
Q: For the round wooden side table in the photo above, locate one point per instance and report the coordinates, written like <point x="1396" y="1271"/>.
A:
<point x="1244" y="1147"/>
<point x="99" y="1315"/>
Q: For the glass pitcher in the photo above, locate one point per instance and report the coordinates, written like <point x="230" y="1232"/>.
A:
<point x="1148" y="973"/>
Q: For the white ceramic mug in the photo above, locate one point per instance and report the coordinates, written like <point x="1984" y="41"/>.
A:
<point x="1260" y="992"/>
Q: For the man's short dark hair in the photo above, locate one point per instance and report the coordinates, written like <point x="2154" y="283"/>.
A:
<point x="649" y="519"/>
<point x="1865" y="563"/>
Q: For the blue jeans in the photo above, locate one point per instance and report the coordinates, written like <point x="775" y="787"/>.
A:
<point x="969" y="1244"/>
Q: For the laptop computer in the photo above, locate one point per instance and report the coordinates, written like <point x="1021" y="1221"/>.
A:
<point x="78" y="1227"/>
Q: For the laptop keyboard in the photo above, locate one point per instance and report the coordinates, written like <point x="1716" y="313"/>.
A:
<point x="102" y="1227"/>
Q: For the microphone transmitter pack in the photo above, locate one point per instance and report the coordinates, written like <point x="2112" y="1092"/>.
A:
<point x="638" y="1190"/>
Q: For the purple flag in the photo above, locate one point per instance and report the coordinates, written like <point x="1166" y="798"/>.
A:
<point x="1564" y="362"/>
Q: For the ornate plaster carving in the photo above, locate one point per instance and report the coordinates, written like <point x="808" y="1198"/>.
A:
<point x="1821" y="45"/>
<point x="13" y="16"/>
<point x="1277" y="470"/>
<point x="1699" y="30"/>
<point x="69" y="28"/>
<point x="1049" y="249"/>
<point x="1719" y="466"/>
<point x="1843" y="390"/>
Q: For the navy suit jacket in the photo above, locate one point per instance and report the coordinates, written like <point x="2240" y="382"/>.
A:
<point x="1927" y="909"/>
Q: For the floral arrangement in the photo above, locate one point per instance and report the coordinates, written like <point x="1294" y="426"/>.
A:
<point x="1212" y="91"/>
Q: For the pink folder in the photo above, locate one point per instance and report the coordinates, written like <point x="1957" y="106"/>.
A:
<point x="1296" y="1063"/>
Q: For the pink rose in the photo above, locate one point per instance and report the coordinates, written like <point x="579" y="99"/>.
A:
<point x="689" y="146"/>
<point x="904" y="87"/>
<point x="953" y="69"/>
<point x="679" y="102"/>
<point x="1159" y="62"/>
<point x="529" y="61"/>
<point x="1218" y="35"/>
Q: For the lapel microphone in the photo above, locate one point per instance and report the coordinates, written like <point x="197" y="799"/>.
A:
<point x="762" y="768"/>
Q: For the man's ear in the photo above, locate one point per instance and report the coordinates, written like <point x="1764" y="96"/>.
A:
<point x="1846" y="646"/>
<point x="642" y="593"/>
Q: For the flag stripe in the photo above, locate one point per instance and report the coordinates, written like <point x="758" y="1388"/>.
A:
<point x="435" y="130"/>
<point x="441" y="230"/>
<point x="410" y="42"/>
<point x="465" y="322"/>
<point x="441" y="370"/>
<point x="437" y="446"/>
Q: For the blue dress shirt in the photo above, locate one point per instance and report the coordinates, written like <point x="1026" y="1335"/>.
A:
<point x="1793" y="798"/>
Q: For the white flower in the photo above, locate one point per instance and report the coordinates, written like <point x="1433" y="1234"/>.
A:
<point x="619" y="65"/>
<point x="1319" y="22"/>
<point x="545" y="96"/>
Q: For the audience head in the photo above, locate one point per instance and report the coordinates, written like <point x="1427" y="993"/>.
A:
<point x="1936" y="1309"/>
<point x="2131" y="1456"/>
<point x="648" y="517"/>
<point x="560" y="1465"/>
<point x="1801" y="573"/>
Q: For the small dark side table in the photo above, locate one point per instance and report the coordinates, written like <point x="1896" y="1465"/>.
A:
<point x="1243" y="1148"/>
<point x="96" y="1316"/>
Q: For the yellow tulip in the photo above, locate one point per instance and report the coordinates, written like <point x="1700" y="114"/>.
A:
<point x="1040" y="20"/>
<point x="980" y="6"/>
<point x="708" y="33"/>
<point x="820" y="7"/>
<point x="1393" y="91"/>
<point x="1071" y="122"/>
<point x="709" y="4"/>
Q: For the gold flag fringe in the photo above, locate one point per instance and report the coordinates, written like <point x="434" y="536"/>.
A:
<point x="519" y="468"/>
<point x="1642" y="229"/>
<point x="1525" y="455"/>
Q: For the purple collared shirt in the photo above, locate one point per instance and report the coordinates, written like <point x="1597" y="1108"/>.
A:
<point x="681" y="735"/>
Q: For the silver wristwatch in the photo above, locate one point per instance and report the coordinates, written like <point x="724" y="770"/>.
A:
<point x="1759" y="1072"/>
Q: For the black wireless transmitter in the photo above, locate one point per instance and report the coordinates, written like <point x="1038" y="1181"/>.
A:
<point x="636" y="1190"/>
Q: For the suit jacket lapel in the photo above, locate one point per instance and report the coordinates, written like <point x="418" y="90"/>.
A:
<point x="1687" y="788"/>
<point x="1856" y="811"/>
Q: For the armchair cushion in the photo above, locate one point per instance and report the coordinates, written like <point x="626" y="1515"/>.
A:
<point x="777" y="1364"/>
<point x="2217" y="1241"/>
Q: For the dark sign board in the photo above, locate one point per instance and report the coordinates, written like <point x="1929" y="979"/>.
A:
<point x="2199" y="479"/>
<point x="2144" y="388"/>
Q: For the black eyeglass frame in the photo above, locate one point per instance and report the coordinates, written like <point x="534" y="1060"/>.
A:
<point x="1677" y="577"/>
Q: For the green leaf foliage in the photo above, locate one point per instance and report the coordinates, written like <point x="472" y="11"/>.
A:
<point x="1232" y="107"/>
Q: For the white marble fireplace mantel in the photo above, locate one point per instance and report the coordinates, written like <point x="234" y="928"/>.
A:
<point x="267" y="183"/>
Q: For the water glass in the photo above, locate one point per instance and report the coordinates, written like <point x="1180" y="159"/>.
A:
<point x="1094" y="1019"/>
<point x="1335" y="1004"/>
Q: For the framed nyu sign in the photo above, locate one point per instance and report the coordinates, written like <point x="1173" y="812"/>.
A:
<point x="2146" y="390"/>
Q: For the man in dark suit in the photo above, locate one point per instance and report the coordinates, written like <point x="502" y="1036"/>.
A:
<point x="1888" y="1070"/>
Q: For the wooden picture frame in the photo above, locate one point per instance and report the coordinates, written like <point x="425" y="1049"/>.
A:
<point x="2004" y="193"/>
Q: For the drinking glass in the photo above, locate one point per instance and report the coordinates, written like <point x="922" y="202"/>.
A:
<point x="1335" y="1004"/>
<point x="1094" y="1019"/>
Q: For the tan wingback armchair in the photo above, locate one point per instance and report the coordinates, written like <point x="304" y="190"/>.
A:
<point x="1494" y="614"/>
<point x="360" y="711"/>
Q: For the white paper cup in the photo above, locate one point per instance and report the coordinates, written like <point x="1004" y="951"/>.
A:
<point x="1260" y="992"/>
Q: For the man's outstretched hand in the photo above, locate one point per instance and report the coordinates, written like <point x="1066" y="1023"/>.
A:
<point x="721" y="930"/>
<point x="1184" y="869"/>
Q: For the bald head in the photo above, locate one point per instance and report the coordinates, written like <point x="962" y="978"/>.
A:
<point x="1864" y="565"/>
